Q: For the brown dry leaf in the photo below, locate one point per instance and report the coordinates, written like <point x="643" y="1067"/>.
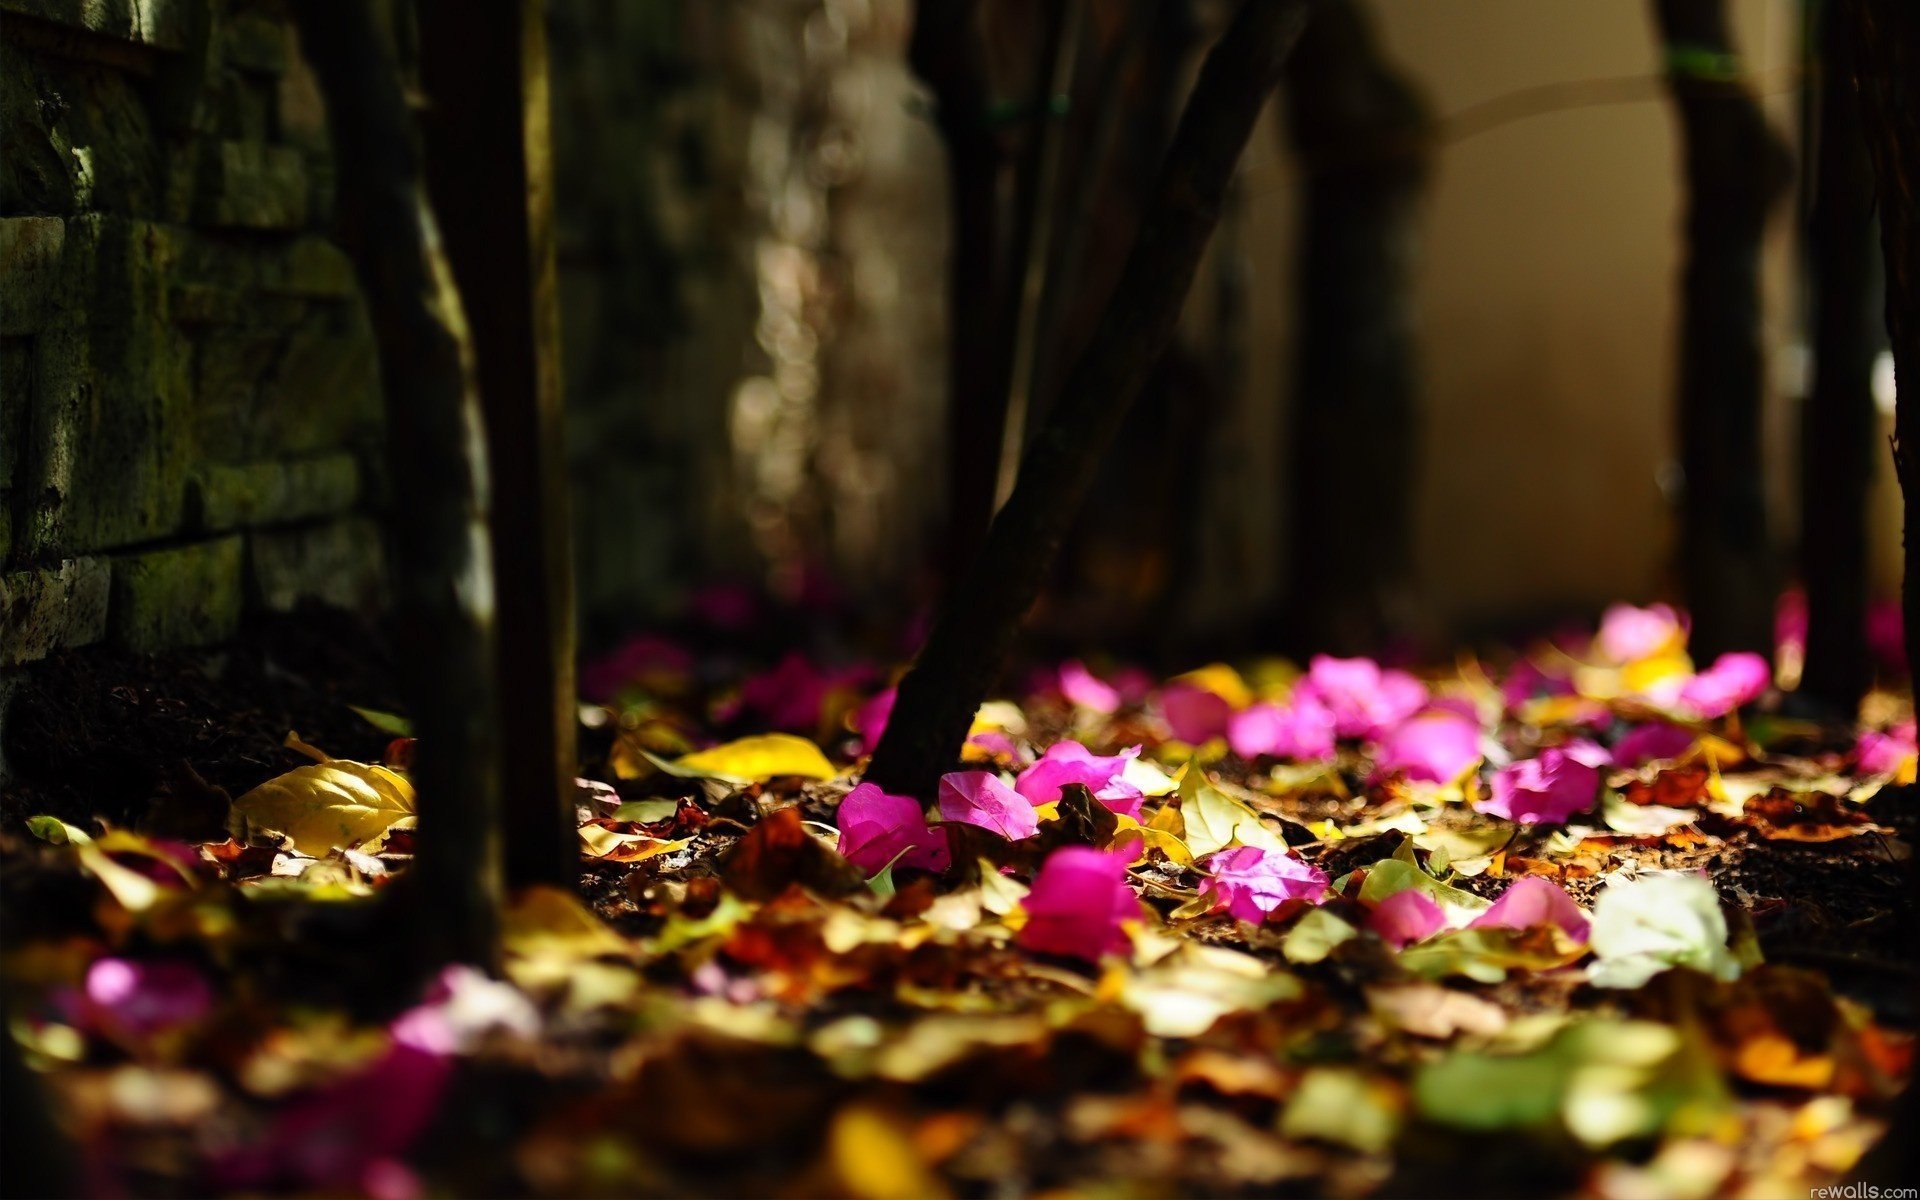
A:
<point x="1429" y="1010"/>
<point x="778" y="853"/>
<point x="1805" y="817"/>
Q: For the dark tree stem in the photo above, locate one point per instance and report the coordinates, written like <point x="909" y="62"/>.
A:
<point x="442" y="574"/>
<point x="948" y="52"/>
<point x="1736" y="171"/>
<point x="968" y="646"/>
<point x="1363" y="137"/>
<point x="1837" y="447"/>
<point x="489" y="166"/>
<point x="1886" y="39"/>
<point x="36" y="1157"/>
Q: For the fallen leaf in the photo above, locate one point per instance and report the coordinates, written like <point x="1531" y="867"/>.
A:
<point x="324" y="806"/>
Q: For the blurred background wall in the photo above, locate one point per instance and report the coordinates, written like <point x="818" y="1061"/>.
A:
<point x="789" y="167"/>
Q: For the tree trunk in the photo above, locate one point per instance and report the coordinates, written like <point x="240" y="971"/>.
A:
<point x="489" y="167"/>
<point x="1885" y="35"/>
<point x="1837" y="447"/>
<point x="1363" y="138"/>
<point x="1736" y="170"/>
<point x="1885" y="38"/>
<point x="948" y="52"/>
<point x="441" y="570"/>
<point x="967" y="648"/>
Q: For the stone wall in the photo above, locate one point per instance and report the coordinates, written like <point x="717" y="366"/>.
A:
<point x="188" y="392"/>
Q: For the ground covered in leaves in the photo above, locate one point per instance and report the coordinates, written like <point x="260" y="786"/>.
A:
<point x="1588" y="919"/>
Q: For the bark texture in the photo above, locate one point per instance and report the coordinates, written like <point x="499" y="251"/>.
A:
<point x="1886" y="38"/>
<point x="489" y="167"/>
<point x="965" y="652"/>
<point x="948" y="52"/>
<point x="1837" y="446"/>
<point x="1363" y="139"/>
<point x="1736" y="171"/>
<point x="442" y="574"/>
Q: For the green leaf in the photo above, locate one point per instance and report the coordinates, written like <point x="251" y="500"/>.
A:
<point x="385" y="722"/>
<point x="1314" y="936"/>
<point x="1215" y="820"/>
<point x="1342" y="1106"/>
<point x="1390" y="876"/>
<point x="57" y="832"/>
<point x="645" y="812"/>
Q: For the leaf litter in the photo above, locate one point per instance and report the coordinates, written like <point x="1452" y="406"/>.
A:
<point x="1595" y="923"/>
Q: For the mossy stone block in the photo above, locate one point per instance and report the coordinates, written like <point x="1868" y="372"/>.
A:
<point x="186" y="596"/>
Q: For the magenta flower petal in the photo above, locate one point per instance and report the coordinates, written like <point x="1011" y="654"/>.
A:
<point x="1193" y="713"/>
<point x="1085" y="689"/>
<point x="876" y="826"/>
<point x="1629" y="634"/>
<point x="132" y="1001"/>
<point x="870" y="719"/>
<point x="1407" y="917"/>
<point x="1527" y="681"/>
<point x="1079" y="900"/>
<point x="1364" y="699"/>
<point x="1303" y="729"/>
<point x="1883" y="753"/>
<point x="1548" y="789"/>
<point x="1531" y="902"/>
<point x="1733" y="680"/>
<point x="1436" y="746"/>
<point x="1068" y="762"/>
<point x="979" y="798"/>
<point x="1250" y="882"/>
<point x="1654" y="740"/>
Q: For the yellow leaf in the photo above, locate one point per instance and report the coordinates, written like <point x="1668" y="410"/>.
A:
<point x="337" y="803"/>
<point x="611" y="845"/>
<point x="759" y="758"/>
<point x="1215" y="820"/>
<point x="1222" y="680"/>
<point x="550" y="922"/>
<point x="874" y="1155"/>
<point x="1151" y="837"/>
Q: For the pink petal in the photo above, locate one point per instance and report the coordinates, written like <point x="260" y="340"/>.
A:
<point x="1303" y="729"/>
<point x="870" y="721"/>
<point x="979" y="798"/>
<point x="1068" y="762"/>
<point x="1548" y="789"/>
<point x="1083" y="688"/>
<point x="1883" y="753"/>
<point x="1733" y="680"/>
<point x="1531" y="902"/>
<point x="1250" y="882"/>
<point x="1193" y="713"/>
<point x="1654" y="740"/>
<point x="1433" y="747"/>
<point x="1629" y="634"/>
<point x="132" y="1001"/>
<point x="876" y="826"/>
<point x="1077" y="904"/>
<point x="1407" y="917"/>
<point x="1365" y="700"/>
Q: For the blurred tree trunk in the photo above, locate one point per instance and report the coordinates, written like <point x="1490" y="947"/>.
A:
<point x="965" y="653"/>
<point x="1837" y="446"/>
<point x="1362" y="135"/>
<point x="437" y="534"/>
<point x="1885" y="36"/>
<point x="1736" y="170"/>
<point x="947" y="51"/>
<point x="489" y="165"/>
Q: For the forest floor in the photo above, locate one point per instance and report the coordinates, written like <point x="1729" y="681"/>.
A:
<point x="1585" y="920"/>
